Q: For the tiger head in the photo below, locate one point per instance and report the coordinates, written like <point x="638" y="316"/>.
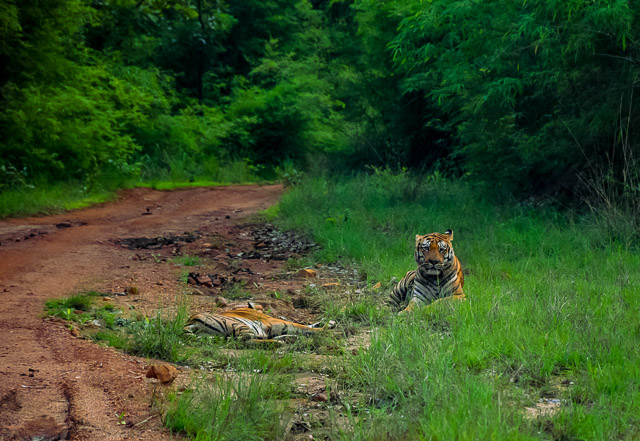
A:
<point x="434" y="253"/>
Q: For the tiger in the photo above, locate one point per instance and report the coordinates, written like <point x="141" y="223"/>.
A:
<point x="438" y="276"/>
<point x="248" y="323"/>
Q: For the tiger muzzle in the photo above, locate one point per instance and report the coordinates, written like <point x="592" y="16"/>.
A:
<point x="430" y="269"/>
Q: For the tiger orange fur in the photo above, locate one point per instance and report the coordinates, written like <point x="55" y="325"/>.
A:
<point x="438" y="276"/>
<point x="248" y="323"/>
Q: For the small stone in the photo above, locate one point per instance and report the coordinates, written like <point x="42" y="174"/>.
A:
<point x="221" y="302"/>
<point x="205" y="281"/>
<point x="165" y="373"/>
<point x="75" y="332"/>
<point x="261" y="245"/>
<point x="160" y="283"/>
<point x="300" y="427"/>
<point x="334" y="397"/>
<point x="64" y="225"/>
<point x="319" y="397"/>
<point x="107" y="299"/>
<point x="308" y="273"/>
<point x="191" y="281"/>
<point x="330" y="285"/>
<point x="196" y="292"/>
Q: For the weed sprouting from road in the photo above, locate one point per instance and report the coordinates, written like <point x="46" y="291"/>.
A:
<point x="186" y="260"/>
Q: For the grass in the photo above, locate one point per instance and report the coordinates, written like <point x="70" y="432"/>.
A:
<point x="54" y="197"/>
<point x="551" y="298"/>
<point x="172" y="185"/>
<point x="236" y="291"/>
<point x="159" y="337"/>
<point x="242" y="407"/>
<point x="82" y="308"/>
<point x="48" y="199"/>
<point x="186" y="260"/>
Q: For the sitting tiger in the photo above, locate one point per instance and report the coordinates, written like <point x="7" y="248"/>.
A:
<point x="439" y="274"/>
<point x="248" y="323"/>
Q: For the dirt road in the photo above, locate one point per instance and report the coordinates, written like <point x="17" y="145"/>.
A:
<point x="55" y="386"/>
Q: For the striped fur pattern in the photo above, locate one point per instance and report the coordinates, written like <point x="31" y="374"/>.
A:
<point x="248" y="323"/>
<point x="439" y="274"/>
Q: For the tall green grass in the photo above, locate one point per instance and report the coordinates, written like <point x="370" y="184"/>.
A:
<point x="233" y="407"/>
<point x="54" y="197"/>
<point x="551" y="299"/>
<point x="160" y="337"/>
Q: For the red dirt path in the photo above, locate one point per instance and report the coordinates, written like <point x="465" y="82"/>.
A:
<point x="55" y="386"/>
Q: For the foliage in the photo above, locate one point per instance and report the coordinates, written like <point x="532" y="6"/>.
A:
<point x="531" y="98"/>
<point x="530" y="91"/>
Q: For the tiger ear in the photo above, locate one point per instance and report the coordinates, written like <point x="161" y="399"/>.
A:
<point x="449" y="233"/>
<point x="418" y="238"/>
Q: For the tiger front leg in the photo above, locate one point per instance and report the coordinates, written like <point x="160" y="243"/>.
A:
<point x="440" y="301"/>
<point x="414" y="304"/>
<point x="249" y="336"/>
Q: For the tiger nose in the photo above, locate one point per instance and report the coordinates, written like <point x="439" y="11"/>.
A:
<point x="433" y="261"/>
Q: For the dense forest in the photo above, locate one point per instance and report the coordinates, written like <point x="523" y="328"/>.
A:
<point x="533" y="97"/>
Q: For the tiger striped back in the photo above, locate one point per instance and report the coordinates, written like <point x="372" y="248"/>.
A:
<point x="247" y="323"/>
<point x="438" y="275"/>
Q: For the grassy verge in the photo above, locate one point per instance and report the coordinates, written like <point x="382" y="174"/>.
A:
<point x="552" y="317"/>
<point x="48" y="198"/>
<point x="172" y="185"/>
<point x="242" y="407"/>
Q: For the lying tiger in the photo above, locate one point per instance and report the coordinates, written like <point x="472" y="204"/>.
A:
<point x="248" y="323"/>
<point x="439" y="274"/>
